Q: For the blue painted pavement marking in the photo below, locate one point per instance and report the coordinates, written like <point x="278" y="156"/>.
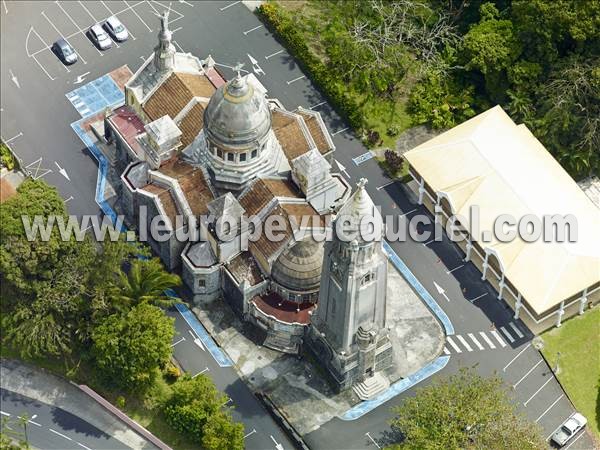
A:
<point x="219" y="355"/>
<point x="395" y="389"/>
<point x="362" y="158"/>
<point x="95" y="96"/>
<point x="417" y="286"/>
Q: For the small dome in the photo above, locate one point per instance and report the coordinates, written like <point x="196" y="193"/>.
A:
<point x="299" y="268"/>
<point x="237" y="115"/>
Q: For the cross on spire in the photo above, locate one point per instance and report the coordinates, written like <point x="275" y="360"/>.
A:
<point x="238" y="68"/>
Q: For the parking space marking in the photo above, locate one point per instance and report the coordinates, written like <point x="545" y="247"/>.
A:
<point x="536" y="392"/>
<point x="60" y="434"/>
<point x="251" y="433"/>
<point x="33" y="55"/>
<point x="514" y="359"/>
<point x="519" y="333"/>
<point x="487" y="339"/>
<point x="446" y="351"/>
<point x="136" y="14"/>
<point x="456" y="268"/>
<point x="36" y="167"/>
<point x="475" y="341"/>
<point x="507" y="334"/>
<point x="464" y="342"/>
<point x="87" y="10"/>
<point x="386" y="185"/>
<point x="549" y="408"/>
<point x="339" y="131"/>
<point x="275" y="54"/>
<point x="81" y="30"/>
<point x="251" y="30"/>
<point x="528" y="372"/>
<point x="201" y="372"/>
<point x="498" y="338"/>
<point x="581" y="433"/>
<point x="478" y="297"/>
<point x="313" y="106"/>
<point x="230" y="5"/>
<point x="454" y="346"/>
<point x="295" y="79"/>
<point x="8" y="141"/>
<point x="64" y="37"/>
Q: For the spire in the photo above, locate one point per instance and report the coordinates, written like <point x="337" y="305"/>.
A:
<point x="361" y="214"/>
<point x="164" y="52"/>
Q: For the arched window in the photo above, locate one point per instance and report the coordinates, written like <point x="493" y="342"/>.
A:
<point x="230" y="156"/>
<point x="254" y="153"/>
<point x="243" y="157"/>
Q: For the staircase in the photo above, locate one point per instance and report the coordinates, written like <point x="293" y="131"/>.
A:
<point x="370" y="387"/>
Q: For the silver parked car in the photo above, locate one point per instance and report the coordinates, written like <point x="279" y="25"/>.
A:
<point x="569" y="429"/>
<point x="116" y="29"/>
<point x="100" y="37"/>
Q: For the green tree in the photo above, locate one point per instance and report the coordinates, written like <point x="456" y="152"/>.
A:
<point x="196" y="409"/>
<point x="145" y="282"/>
<point x="129" y="348"/>
<point x="464" y="410"/>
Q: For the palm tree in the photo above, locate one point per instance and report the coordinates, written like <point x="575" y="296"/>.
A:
<point x="145" y="282"/>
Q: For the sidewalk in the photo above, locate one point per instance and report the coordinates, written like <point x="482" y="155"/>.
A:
<point x="35" y="383"/>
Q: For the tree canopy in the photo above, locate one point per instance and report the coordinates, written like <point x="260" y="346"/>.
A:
<point x="464" y="410"/>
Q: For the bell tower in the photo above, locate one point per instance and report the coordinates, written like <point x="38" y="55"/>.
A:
<point x="164" y="52"/>
<point x="348" y="331"/>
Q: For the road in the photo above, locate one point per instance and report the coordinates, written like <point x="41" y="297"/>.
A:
<point x="36" y="117"/>
<point x="49" y="427"/>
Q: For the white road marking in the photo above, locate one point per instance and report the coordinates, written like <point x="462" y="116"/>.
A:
<point x="474" y="339"/>
<point x="251" y="433"/>
<point x="60" y="434"/>
<point x="176" y="30"/>
<point x="478" y="297"/>
<point x="8" y="141"/>
<point x="487" y="339"/>
<point x="185" y="3"/>
<point x="581" y="433"/>
<point x="446" y="351"/>
<point x="64" y="37"/>
<point x="536" y="392"/>
<point x="33" y="55"/>
<point x="251" y="30"/>
<point x="62" y="171"/>
<point x="386" y="185"/>
<point x="407" y="213"/>
<point x="339" y="131"/>
<point x="180" y="340"/>
<point x="372" y="440"/>
<point x="69" y="199"/>
<point x="456" y="268"/>
<point x="513" y="360"/>
<point x="230" y="5"/>
<point x="317" y="105"/>
<point x="464" y="342"/>
<point x="528" y="372"/>
<point x="514" y="327"/>
<point x="441" y="291"/>
<point x="226" y="402"/>
<point x="14" y="79"/>
<point x="84" y="446"/>
<point x="428" y="242"/>
<point x="81" y="77"/>
<point x="507" y="334"/>
<point x="549" y="408"/>
<point x="198" y="342"/>
<point x="454" y="346"/>
<point x="5" y="413"/>
<point x="137" y="15"/>
<point x="556" y="429"/>
<point x="275" y="54"/>
<point x="342" y="168"/>
<point x="88" y="11"/>
<point x="201" y="372"/>
<point x="34" y="423"/>
<point x="295" y="79"/>
<point x="178" y="46"/>
<point x="5" y="8"/>
<point x="81" y="30"/>
<point x="498" y="338"/>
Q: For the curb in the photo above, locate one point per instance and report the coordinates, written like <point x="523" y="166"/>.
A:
<point x="122" y="416"/>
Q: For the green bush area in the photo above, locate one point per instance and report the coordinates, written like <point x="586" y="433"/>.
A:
<point x="578" y="341"/>
<point x="6" y="157"/>
<point x="387" y="65"/>
<point x="91" y="311"/>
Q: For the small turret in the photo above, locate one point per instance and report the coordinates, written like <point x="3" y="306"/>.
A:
<point x="164" y="52"/>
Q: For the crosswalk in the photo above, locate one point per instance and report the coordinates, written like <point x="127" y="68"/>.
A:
<point x="482" y="340"/>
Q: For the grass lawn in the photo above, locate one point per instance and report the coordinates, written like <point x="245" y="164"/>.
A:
<point x="578" y="341"/>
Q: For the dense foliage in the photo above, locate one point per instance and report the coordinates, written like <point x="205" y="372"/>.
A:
<point x="6" y="157"/>
<point x="196" y="409"/>
<point x="477" y="413"/>
<point x="445" y="61"/>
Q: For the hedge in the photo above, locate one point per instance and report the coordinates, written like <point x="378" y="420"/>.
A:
<point x="286" y="31"/>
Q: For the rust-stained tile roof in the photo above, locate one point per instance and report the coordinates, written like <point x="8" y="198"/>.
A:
<point x="286" y="311"/>
<point x="176" y="92"/>
<point x="263" y="191"/>
<point x="192" y="183"/>
<point x="166" y="199"/>
<point x="268" y="247"/>
<point x="299" y="210"/>
<point x="191" y="124"/>
<point x="289" y="134"/>
<point x="129" y="125"/>
<point x="244" y="267"/>
<point x="317" y="132"/>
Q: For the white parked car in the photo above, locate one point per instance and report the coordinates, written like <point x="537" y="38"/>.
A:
<point x="116" y="29"/>
<point x="100" y="37"/>
<point x="569" y="429"/>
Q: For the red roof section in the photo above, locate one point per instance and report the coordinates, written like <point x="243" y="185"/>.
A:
<point x="129" y="125"/>
<point x="215" y="77"/>
<point x="286" y="311"/>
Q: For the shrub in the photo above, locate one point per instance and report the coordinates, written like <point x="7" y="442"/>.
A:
<point x="172" y="372"/>
<point x="393" y="161"/>
<point x="6" y="157"/>
<point x="120" y="402"/>
<point x="393" y="130"/>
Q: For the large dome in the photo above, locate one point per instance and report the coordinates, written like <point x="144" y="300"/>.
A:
<point x="237" y="115"/>
<point x="299" y="268"/>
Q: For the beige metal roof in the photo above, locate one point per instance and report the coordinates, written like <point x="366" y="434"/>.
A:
<point x="491" y="162"/>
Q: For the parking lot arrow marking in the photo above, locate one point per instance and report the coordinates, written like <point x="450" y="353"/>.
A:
<point x="186" y="3"/>
<point x="62" y="171"/>
<point x="14" y="78"/>
<point x="342" y="168"/>
<point x="80" y="78"/>
<point x="441" y="291"/>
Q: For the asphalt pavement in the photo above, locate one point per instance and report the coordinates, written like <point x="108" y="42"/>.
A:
<point x="49" y="427"/>
<point x="36" y="118"/>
